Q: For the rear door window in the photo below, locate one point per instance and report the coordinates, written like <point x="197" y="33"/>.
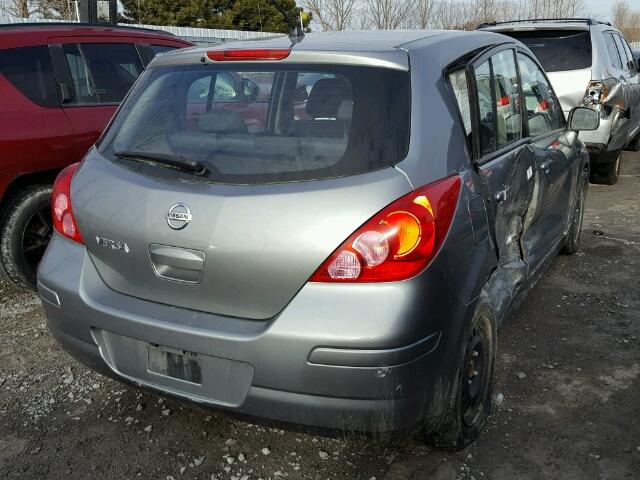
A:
<point x="558" y="50"/>
<point x="506" y="93"/>
<point x="84" y="91"/>
<point x="612" y="49"/>
<point x="498" y="100"/>
<point x="627" y="49"/>
<point x="544" y="114"/>
<point x="486" y="109"/>
<point x="29" y="69"/>
<point x="257" y="124"/>
<point x="624" y="55"/>
<point x="102" y="73"/>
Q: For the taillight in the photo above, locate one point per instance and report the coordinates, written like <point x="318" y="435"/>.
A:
<point x="247" y="55"/>
<point x="64" y="222"/>
<point x="598" y="91"/>
<point x="399" y="241"/>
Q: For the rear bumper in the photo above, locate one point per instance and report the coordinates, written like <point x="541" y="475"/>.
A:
<point x="362" y="358"/>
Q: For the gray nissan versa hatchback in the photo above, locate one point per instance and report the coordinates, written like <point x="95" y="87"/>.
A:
<point x="327" y="232"/>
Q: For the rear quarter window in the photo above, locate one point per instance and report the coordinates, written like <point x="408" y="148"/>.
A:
<point x="612" y="49"/>
<point x="29" y="69"/>
<point x="558" y="50"/>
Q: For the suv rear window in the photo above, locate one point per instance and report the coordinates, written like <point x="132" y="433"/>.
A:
<point x="29" y="69"/>
<point x="264" y="124"/>
<point x="558" y="50"/>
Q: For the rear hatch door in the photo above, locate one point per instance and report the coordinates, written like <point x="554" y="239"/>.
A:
<point x="297" y="158"/>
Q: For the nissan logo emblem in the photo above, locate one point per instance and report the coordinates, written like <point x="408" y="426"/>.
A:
<point x="178" y="216"/>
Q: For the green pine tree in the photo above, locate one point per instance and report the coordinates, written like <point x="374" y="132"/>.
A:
<point x="261" y="15"/>
<point x="254" y="15"/>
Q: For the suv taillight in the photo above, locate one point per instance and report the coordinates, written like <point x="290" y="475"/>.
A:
<point x="399" y="241"/>
<point x="598" y="91"/>
<point x="64" y="222"/>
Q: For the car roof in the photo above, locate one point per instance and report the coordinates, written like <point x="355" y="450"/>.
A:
<point x="389" y="47"/>
<point x="17" y="34"/>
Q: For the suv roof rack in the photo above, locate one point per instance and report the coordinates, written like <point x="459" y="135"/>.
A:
<point x="82" y="25"/>
<point x="588" y="21"/>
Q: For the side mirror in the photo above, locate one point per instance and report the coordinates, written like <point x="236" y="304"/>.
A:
<point x="250" y="89"/>
<point x="582" y="119"/>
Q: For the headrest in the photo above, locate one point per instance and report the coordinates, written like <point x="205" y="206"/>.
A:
<point x="326" y="97"/>
<point x="222" y="121"/>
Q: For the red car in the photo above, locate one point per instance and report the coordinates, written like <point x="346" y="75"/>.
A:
<point x="60" y="84"/>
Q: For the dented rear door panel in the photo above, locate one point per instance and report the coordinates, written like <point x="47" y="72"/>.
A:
<point x="512" y="185"/>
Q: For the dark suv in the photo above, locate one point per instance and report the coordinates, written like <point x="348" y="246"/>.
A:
<point x="60" y="84"/>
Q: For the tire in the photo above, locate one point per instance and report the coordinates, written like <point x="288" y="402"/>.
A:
<point x="572" y="242"/>
<point x="25" y="231"/>
<point x="606" y="173"/>
<point x="469" y="404"/>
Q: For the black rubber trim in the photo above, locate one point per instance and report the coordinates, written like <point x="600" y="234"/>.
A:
<point x="48" y="295"/>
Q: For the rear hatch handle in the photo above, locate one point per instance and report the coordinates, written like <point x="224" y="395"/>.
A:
<point x="178" y="264"/>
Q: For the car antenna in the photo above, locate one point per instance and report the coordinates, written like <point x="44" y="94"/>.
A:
<point x="297" y="33"/>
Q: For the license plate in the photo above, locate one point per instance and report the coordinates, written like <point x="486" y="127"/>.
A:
<point x="174" y="363"/>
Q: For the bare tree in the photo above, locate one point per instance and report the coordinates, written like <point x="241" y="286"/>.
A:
<point x="18" y="8"/>
<point x="58" y="9"/>
<point x="439" y="14"/>
<point x="387" y="14"/>
<point x="423" y="13"/>
<point x="626" y="20"/>
<point x="334" y="14"/>
<point x="484" y="11"/>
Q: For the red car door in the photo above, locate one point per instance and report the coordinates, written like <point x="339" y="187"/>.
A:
<point x="93" y="74"/>
<point x="35" y="134"/>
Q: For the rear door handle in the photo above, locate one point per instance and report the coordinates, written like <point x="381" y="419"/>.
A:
<point x="545" y="166"/>
<point x="501" y="195"/>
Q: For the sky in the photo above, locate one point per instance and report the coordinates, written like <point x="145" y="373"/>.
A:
<point x="602" y="8"/>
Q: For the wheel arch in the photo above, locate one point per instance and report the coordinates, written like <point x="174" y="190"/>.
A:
<point x="19" y="183"/>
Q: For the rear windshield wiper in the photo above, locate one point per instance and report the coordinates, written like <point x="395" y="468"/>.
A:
<point x="175" y="161"/>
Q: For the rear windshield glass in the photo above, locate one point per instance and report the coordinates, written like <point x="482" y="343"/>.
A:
<point x="558" y="50"/>
<point x="263" y="124"/>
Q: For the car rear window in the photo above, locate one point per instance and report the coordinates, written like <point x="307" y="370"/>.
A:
<point x="264" y="124"/>
<point x="558" y="50"/>
<point x="29" y="69"/>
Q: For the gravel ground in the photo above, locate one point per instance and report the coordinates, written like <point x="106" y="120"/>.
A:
<point x="567" y="392"/>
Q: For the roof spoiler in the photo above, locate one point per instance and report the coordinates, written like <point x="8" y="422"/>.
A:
<point x="588" y="21"/>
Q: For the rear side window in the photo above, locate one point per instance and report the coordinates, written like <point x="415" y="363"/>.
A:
<point x="102" y="73"/>
<point x="505" y="88"/>
<point x="624" y="55"/>
<point x="544" y="113"/>
<point x="263" y="124"/>
<point x="498" y="102"/>
<point x="612" y="49"/>
<point x="627" y="49"/>
<point x="558" y="50"/>
<point x="29" y="69"/>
